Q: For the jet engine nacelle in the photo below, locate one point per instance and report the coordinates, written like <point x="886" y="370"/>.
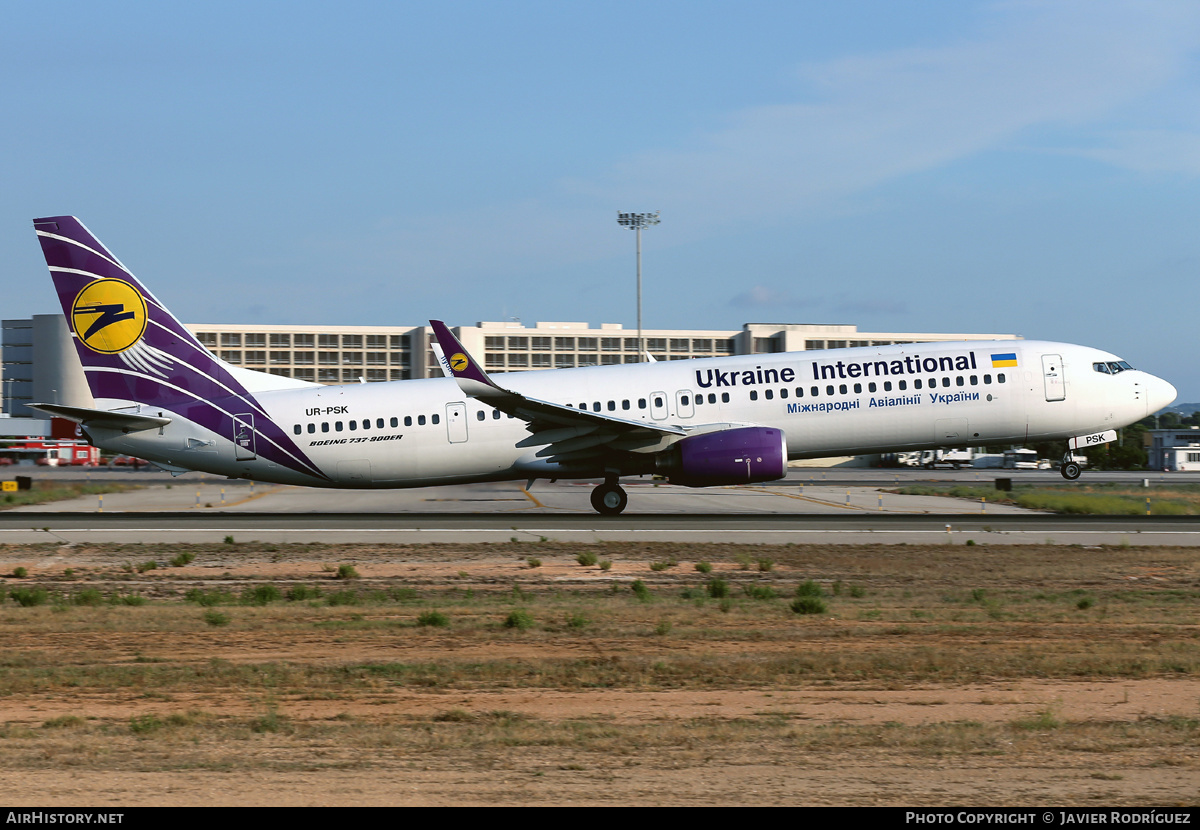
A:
<point x="730" y="456"/>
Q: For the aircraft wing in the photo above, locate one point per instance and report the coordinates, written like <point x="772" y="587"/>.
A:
<point x="569" y="434"/>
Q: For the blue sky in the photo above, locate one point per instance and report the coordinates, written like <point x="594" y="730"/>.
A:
<point x="1015" y="167"/>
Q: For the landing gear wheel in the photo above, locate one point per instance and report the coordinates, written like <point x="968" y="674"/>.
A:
<point x="609" y="499"/>
<point x="1070" y="470"/>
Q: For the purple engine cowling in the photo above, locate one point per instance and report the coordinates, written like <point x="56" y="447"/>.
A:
<point x="731" y="456"/>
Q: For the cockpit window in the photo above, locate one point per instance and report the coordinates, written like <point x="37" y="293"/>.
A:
<point x="1112" y="367"/>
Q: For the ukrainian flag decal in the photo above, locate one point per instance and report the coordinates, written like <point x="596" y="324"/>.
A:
<point x="1000" y="361"/>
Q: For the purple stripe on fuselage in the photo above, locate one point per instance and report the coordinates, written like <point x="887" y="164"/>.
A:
<point x="212" y="413"/>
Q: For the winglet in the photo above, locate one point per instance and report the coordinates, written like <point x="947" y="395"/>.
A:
<point x="471" y="378"/>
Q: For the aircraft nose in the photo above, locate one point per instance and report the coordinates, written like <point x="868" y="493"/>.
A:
<point x="1159" y="395"/>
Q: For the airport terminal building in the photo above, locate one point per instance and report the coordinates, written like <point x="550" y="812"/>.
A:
<point x="39" y="361"/>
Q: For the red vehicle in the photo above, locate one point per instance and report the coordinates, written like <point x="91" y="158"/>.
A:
<point x="49" y="452"/>
<point x="127" y="461"/>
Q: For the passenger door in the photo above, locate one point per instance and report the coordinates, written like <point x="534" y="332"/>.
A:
<point x="1053" y="374"/>
<point x="456" y="422"/>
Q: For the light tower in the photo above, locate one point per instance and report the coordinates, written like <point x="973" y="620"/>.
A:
<point x="635" y="222"/>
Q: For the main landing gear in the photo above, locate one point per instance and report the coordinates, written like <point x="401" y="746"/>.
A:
<point x="1069" y="468"/>
<point x="608" y="499"/>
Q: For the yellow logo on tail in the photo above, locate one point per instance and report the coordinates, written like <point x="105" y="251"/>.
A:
<point x="109" y="316"/>
<point x="458" y="362"/>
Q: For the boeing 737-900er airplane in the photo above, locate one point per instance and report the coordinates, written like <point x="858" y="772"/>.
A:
<point x="160" y="395"/>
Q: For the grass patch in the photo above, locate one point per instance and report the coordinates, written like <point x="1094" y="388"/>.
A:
<point x="433" y="619"/>
<point x="1092" y="499"/>
<point x="44" y="492"/>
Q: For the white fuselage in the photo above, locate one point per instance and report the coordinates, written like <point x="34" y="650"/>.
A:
<point x="847" y="401"/>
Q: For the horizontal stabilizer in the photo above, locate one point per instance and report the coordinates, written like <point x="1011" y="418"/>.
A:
<point x="101" y="418"/>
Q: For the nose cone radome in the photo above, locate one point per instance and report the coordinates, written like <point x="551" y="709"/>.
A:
<point x="1159" y="395"/>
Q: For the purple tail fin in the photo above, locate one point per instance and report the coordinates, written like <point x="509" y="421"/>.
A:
<point x="131" y="347"/>
<point x="134" y="351"/>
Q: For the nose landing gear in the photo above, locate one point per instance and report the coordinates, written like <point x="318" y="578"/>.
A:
<point x="1069" y="468"/>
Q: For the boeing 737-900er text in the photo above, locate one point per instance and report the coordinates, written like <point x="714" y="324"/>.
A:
<point x="160" y="395"/>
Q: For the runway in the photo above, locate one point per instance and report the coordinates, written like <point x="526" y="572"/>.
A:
<point x="822" y="506"/>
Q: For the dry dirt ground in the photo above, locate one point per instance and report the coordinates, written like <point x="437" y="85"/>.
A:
<point x="937" y="676"/>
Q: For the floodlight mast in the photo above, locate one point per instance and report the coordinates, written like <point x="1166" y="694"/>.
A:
<point x="635" y="222"/>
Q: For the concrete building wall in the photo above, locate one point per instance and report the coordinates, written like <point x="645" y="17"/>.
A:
<point x="16" y="368"/>
<point x="59" y="376"/>
<point x="1175" y="449"/>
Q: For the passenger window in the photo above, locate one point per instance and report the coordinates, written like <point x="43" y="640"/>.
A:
<point x="420" y="420"/>
<point x="712" y="398"/>
<point x="783" y="393"/>
<point x="366" y="423"/>
<point x="596" y="406"/>
<point x="641" y="403"/>
<point x="434" y="419"/>
<point x="902" y="384"/>
<point x="408" y="420"/>
<point x="999" y="377"/>
<point x="857" y="388"/>
<point x="337" y="426"/>
<point x="753" y="394"/>
<point x="324" y="426"/>
<point x="625" y="404"/>
<point x="769" y="394"/>
<point x="815" y="391"/>
<point x="353" y="426"/>
<point x="828" y="390"/>
<point x="724" y="397"/>
<point x="958" y="381"/>
<point x="496" y="415"/>
<point x="296" y="429"/>
<point x="479" y="416"/>
<point x="974" y="380"/>
<point x="987" y="379"/>
<point x="312" y="428"/>
<point x="887" y="386"/>
<point x="871" y="387"/>
<point x="916" y="383"/>
<point x="395" y="422"/>
<point x="842" y="388"/>
<point x="945" y="381"/>
<point x="379" y="423"/>
<point x="612" y="406"/>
